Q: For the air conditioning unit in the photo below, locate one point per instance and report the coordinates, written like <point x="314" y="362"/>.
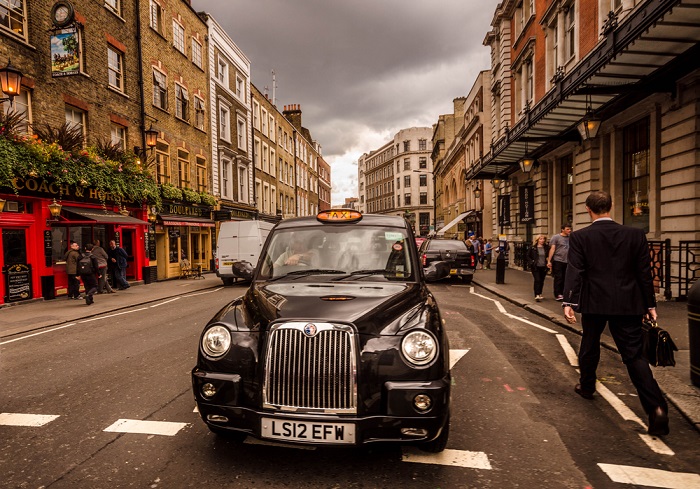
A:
<point x="11" y="206"/>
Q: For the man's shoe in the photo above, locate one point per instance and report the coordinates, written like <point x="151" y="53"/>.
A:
<point x="560" y="298"/>
<point x="583" y="393"/>
<point x="658" y="422"/>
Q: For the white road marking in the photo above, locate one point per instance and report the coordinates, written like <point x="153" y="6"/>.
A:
<point x="205" y="292"/>
<point x="656" y="444"/>
<point x="568" y="351"/>
<point x="626" y="474"/>
<point x="166" y="428"/>
<point x="17" y="419"/>
<point x="35" y="334"/>
<point x="526" y="321"/>
<point x="113" y="315"/>
<point x="456" y="356"/>
<point x="164" y="302"/>
<point x="455" y="458"/>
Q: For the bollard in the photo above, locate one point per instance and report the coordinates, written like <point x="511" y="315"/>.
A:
<point x="501" y="268"/>
<point x="694" y="332"/>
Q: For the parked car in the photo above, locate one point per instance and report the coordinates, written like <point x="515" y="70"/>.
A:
<point x="238" y="248"/>
<point x="337" y="341"/>
<point x="445" y="258"/>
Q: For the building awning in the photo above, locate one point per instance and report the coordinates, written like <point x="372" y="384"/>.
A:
<point x="102" y="216"/>
<point x="454" y="221"/>
<point x="177" y="220"/>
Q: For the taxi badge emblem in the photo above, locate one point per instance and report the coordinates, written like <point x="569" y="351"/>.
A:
<point x="310" y="330"/>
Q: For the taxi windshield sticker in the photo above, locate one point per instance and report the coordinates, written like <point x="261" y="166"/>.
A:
<point x="389" y="236"/>
<point x="397" y="246"/>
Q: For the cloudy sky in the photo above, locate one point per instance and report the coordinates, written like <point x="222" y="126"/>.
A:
<point x="360" y="69"/>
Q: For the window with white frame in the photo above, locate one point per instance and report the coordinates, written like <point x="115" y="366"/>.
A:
<point x="196" y="52"/>
<point x="263" y="118"/>
<point x="222" y="71"/>
<point x="242" y="133"/>
<point x="118" y="135"/>
<point x="201" y="168"/>
<point x="13" y="17"/>
<point x="570" y="32"/>
<point x="272" y="127"/>
<point x="114" y="5"/>
<point x="256" y="115"/>
<point x="179" y="37"/>
<point x="115" y="66"/>
<point x="75" y="118"/>
<point x="243" y="184"/>
<point x="183" y="166"/>
<point x="156" y="17"/>
<point x="226" y="178"/>
<point x="256" y="151"/>
<point x="182" y="103"/>
<point x="20" y="105"/>
<point x="273" y="158"/>
<point x="224" y="123"/>
<point x="265" y="161"/>
<point x="160" y="90"/>
<point x="529" y="83"/>
<point x="240" y="92"/>
<point x="198" y="113"/>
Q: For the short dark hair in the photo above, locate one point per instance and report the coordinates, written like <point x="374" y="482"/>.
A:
<point x="565" y="225"/>
<point x="599" y="202"/>
<point x="88" y="247"/>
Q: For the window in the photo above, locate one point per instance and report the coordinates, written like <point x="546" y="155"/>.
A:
<point x="398" y="182"/>
<point x="20" y="105"/>
<point x="529" y="83"/>
<point x="115" y="64"/>
<point x="13" y="17"/>
<point x="196" y="53"/>
<point x="201" y="165"/>
<point x="114" y="6"/>
<point x="265" y="166"/>
<point x="256" y="153"/>
<point x="272" y="127"/>
<point x="566" y="168"/>
<point x="162" y="162"/>
<point x="263" y="118"/>
<point x="182" y="103"/>
<point x="570" y="32"/>
<point x="75" y="118"/>
<point x="199" y="113"/>
<point x="423" y="180"/>
<point x="423" y="198"/>
<point x="422" y="163"/>
<point x="240" y="93"/>
<point x="635" y="177"/>
<point x="160" y="90"/>
<point x="406" y="164"/>
<point x="242" y="184"/>
<point x="226" y="178"/>
<point x="407" y="181"/>
<point x="157" y="14"/>
<point x="256" y="115"/>
<point x="242" y="133"/>
<point x="272" y="161"/>
<point x="222" y="72"/>
<point x="422" y="144"/>
<point x="406" y="199"/>
<point x="179" y="37"/>
<point x="183" y="167"/>
<point x="118" y="135"/>
<point x="224" y="125"/>
<point x="407" y="145"/>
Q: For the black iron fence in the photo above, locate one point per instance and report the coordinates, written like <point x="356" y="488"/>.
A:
<point x="674" y="268"/>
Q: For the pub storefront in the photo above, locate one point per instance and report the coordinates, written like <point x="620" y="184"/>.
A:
<point x="39" y="221"/>
<point x="183" y="232"/>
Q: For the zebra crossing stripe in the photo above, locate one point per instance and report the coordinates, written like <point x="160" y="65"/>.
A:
<point x="166" y="428"/>
<point x="34" y="420"/>
<point x="627" y="474"/>
<point x="454" y="458"/>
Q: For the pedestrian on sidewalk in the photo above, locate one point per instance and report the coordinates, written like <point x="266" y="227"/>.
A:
<point x="102" y="258"/>
<point x="609" y="281"/>
<point x="87" y="268"/>
<point x="71" y="257"/>
<point x="118" y="261"/>
<point x="557" y="259"/>
<point x="537" y="262"/>
<point x="488" y="249"/>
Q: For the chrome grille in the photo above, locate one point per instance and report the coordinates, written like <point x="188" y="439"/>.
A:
<point x="311" y="373"/>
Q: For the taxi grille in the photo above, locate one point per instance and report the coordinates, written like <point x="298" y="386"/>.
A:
<point x="311" y="373"/>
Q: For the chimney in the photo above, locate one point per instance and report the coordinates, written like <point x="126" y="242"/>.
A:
<point x="293" y="115"/>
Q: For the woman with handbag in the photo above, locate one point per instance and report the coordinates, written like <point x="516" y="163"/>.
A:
<point x="537" y="262"/>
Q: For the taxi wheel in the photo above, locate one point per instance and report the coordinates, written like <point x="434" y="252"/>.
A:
<point x="230" y="435"/>
<point x="439" y="443"/>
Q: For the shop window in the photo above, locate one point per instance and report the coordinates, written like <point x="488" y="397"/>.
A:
<point x="173" y="242"/>
<point x="635" y="178"/>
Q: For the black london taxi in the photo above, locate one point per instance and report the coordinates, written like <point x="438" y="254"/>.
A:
<point x="336" y="342"/>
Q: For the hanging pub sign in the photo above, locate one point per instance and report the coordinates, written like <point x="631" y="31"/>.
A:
<point x="527" y="204"/>
<point x="504" y="210"/>
<point x="65" y="52"/>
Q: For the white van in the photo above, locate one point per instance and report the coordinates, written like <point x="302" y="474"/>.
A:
<point x="238" y="245"/>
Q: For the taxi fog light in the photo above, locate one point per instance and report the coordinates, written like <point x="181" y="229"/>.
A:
<point x="414" y="432"/>
<point x="422" y="402"/>
<point x="208" y="390"/>
<point x="217" y="418"/>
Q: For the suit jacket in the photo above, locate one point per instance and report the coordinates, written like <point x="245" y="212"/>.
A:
<point x="609" y="270"/>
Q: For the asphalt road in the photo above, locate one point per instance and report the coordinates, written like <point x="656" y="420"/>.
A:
<point x="73" y="401"/>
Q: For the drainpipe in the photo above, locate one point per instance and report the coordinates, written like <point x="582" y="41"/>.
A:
<point x="139" y="52"/>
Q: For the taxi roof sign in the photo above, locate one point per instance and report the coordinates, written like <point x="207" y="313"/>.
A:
<point x="339" y="216"/>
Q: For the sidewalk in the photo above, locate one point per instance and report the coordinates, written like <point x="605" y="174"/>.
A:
<point x="29" y="316"/>
<point x="673" y="317"/>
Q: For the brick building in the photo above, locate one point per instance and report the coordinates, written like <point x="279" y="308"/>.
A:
<point x="306" y="155"/>
<point x="268" y="155"/>
<point x="324" y="184"/>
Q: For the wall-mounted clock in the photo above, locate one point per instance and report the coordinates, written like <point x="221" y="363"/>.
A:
<point x="62" y="13"/>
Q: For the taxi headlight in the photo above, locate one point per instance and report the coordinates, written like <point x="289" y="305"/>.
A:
<point x="419" y="347"/>
<point x="216" y="341"/>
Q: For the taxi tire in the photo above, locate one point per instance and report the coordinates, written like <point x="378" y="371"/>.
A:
<point x="230" y="435"/>
<point x="439" y="443"/>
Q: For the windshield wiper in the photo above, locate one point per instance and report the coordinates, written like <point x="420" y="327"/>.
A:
<point x="376" y="271"/>
<point x="304" y="273"/>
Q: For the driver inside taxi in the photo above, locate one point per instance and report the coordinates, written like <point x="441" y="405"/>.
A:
<point x="301" y="252"/>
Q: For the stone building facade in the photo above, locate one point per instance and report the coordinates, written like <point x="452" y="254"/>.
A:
<point x="306" y="156"/>
<point x="266" y="121"/>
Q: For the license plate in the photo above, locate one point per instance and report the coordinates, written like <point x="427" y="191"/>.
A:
<point x="228" y="263"/>
<point x="453" y="271"/>
<point x="309" y="431"/>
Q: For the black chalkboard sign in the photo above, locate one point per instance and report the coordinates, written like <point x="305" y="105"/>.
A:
<point x="152" y="246"/>
<point x="48" y="244"/>
<point x="18" y="282"/>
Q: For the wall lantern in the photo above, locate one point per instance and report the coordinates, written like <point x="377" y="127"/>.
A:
<point x="55" y="210"/>
<point x="477" y="191"/>
<point x="152" y="216"/>
<point x="526" y="164"/>
<point x="590" y="124"/>
<point x="2" y="204"/>
<point x="151" y="137"/>
<point x="10" y="82"/>
<point x="496" y="181"/>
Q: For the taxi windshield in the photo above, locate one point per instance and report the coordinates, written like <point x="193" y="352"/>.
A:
<point x="339" y="252"/>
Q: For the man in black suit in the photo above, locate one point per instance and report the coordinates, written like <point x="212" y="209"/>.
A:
<point x="609" y="280"/>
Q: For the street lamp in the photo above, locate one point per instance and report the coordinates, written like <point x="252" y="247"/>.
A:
<point x="151" y="140"/>
<point x="2" y="204"/>
<point x="477" y="191"/>
<point x="10" y="82"/>
<point x="496" y="182"/>
<point x="526" y="164"/>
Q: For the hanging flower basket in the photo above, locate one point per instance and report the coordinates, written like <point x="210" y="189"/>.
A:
<point x="191" y="196"/>
<point x="207" y="199"/>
